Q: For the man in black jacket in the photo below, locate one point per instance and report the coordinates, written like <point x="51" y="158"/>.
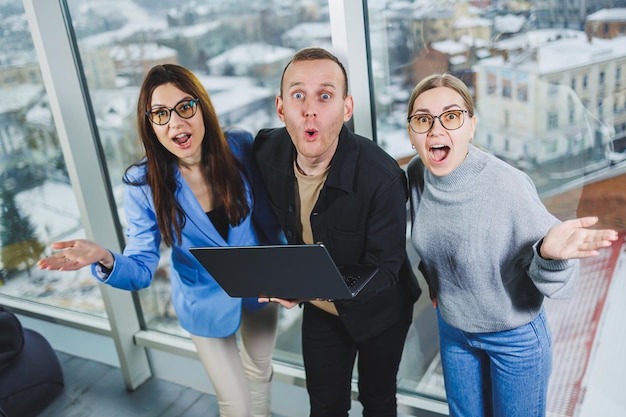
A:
<point x="327" y="184"/>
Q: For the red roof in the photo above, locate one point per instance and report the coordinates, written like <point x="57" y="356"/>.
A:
<point x="575" y="327"/>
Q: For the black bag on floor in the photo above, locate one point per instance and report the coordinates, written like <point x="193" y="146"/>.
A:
<point x="30" y="372"/>
<point x="11" y="338"/>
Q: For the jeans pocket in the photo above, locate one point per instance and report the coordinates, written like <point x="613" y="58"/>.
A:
<point x="542" y="328"/>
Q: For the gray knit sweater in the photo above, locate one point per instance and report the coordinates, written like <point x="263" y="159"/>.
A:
<point x="476" y="232"/>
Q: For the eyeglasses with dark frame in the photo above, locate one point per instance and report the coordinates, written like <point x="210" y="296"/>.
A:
<point x="450" y="120"/>
<point x="161" y="115"/>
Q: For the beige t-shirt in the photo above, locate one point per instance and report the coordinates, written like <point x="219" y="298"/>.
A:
<point x="309" y="188"/>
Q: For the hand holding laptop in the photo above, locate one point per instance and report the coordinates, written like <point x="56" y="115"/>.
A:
<point x="281" y="301"/>
<point x="326" y="305"/>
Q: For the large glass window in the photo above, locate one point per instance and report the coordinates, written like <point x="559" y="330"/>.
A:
<point x="522" y="70"/>
<point x="37" y="200"/>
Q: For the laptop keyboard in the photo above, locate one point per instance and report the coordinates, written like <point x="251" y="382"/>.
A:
<point x="351" y="280"/>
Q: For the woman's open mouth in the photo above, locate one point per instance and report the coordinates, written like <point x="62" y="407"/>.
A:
<point x="182" y="139"/>
<point x="439" y="152"/>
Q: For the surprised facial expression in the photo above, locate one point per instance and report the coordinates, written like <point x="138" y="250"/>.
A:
<point x="181" y="136"/>
<point x="313" y="107"/>
<point x="442" y="149"/>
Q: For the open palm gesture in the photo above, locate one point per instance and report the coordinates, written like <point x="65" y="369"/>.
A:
<point x="571" y="239"/>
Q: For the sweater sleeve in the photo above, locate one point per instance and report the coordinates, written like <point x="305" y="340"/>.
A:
<point x="552" y="278"/>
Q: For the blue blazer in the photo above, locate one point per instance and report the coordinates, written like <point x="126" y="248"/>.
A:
<point x="202" y="306"/>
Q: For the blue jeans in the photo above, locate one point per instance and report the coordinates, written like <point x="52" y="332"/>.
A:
<point x="499" y="374"/>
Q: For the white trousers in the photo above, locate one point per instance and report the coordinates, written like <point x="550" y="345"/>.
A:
<point x="241" y="375"/>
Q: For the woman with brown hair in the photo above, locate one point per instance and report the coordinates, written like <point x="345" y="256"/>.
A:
<point x="196" y="186"/>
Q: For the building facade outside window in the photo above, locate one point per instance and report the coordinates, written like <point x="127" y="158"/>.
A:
<point x="523" y="74"/>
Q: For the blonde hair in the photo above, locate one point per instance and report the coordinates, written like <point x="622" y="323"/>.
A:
<point x="442" y="80"/>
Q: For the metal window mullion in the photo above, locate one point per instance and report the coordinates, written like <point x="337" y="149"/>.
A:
<point x="67" y="93"/>
<point x="350" y="44"/>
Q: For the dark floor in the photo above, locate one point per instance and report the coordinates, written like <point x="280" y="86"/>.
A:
<point x="93" y="389"/>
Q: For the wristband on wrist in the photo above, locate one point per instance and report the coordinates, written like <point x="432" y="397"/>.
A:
<point x="105" y="269"/>
<point x="539" y="248"/>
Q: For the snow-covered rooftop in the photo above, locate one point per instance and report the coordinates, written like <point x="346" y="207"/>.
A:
<point x="450" y="47"/>
<point x="466" y="22"/>
<point x="608" y="15"/>
<point x="536" y="38"/>
<point x="555" y="53"/>
<point x="139" y="52"/>
<point x="308" y="30"/>
<point x="19" y="96"/>
<point x="252" y="53"/>
<point x="509" y="23"/>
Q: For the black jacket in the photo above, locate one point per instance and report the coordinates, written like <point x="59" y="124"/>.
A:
<point x="360" y="216"/>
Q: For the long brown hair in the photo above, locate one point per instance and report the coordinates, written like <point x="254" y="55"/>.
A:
<point x="218" y="163"/>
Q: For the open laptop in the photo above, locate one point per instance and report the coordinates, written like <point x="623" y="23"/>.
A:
<point x="292" y="272"/>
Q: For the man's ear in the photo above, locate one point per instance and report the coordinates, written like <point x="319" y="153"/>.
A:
<point x="279" y="108"/>
<point x="348" y="108"/>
